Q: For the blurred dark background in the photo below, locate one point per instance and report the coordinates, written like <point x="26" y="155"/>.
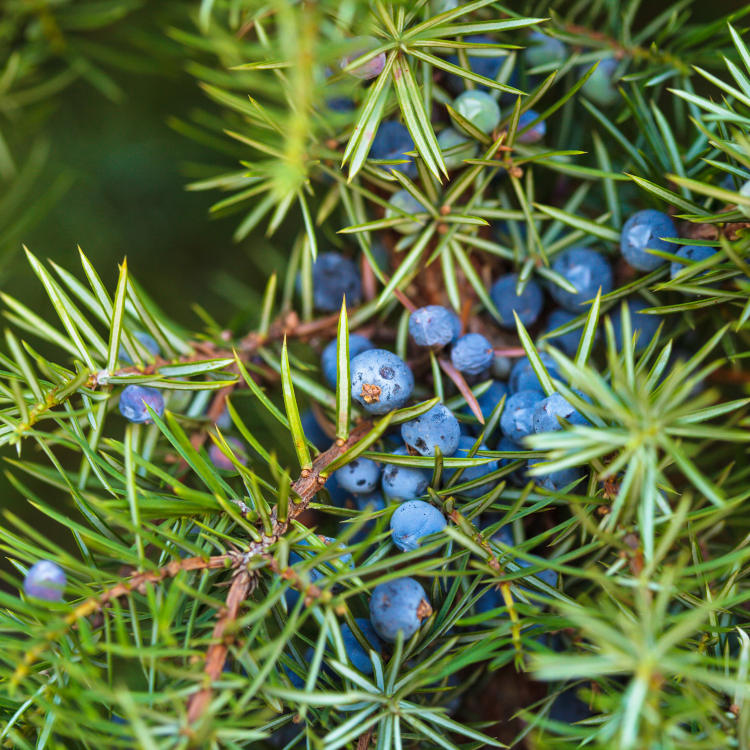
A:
<point x="128" y="198"/>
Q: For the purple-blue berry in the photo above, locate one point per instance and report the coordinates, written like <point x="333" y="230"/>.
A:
<point x="434" y="325"/>
<point x="361" y="46"/>
<point x="399" y="605"/>
<point x="45" y="580"/>
<point x="437" y="427"/>
<point x="642" y="231"/>
<point x="517" y="419"/>
<point x="555" y="481"/>
<point x="146" y="340"/>
<point x="381" y="381"/>
<point x="534" y="134"/>
<point x="643" y="324"/>
<point x="472" y="473"/>
<point x="390" y="143"/>
<point x="360" y="476"/>
<point x="472" y="354"/>
<point x="414" y="520"/>
<point x="133" y="400"/>
<point x="403" y="483"/>
<point x="523" y="377"/>
<point x="407" y="203"/>
<point x="359" y="658"/>
<point x="566" y="342"/>
<point x="549" y="409"/>
<point x="528" y="305"/>
<point x="543" y="50"/>
<point x="600" y="87"/>
<point x="220" y="461"/>
<point x="479" y="108"/>
<point x="694" y="253"/>
<point x="328" y="364"/>
<point x="517" y="477"/>
<point x="483" y="62"/>
<point x="587" y="271"/>
<point x="334" y="277"/>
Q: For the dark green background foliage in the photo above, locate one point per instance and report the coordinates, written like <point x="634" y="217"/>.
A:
<point x="110" y="110"/>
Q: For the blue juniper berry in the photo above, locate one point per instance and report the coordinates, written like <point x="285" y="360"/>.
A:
<point x="361" y="45"/>
<point x="528" y="305"/>
<point x="487" y="403"/>
<point x="133" y="400"/>
<point x="334" y="276"/>
<point x="402" y="483"/>
<point x="472" y="354"/>
<point x="328" y="364"/>
<point x="555" y="481"/>
<point x="566" y="342"/>
<point x="359" y="658"/>
<point x="398" y="605"/>
<point x="642" y="231"/>
<point x="479" y="108"/>
<point x="543" y="49"/>
<point x="472" y="473"/>
<point x="517" y="419"/>
<point x="643" y="325"/>
<point x="407" y="203"/>
<point x="381" y="381"/>
<point x="314" y="575"/>
<point x="146" y="340"/>
<point x="587" y="271"/>
<point x="534" y="134"/>
<point x="523" y="377"/>
<point x="600" y="87"/>
<point x="437" y="427"/>
<point x="484" y="62"/>
<point x="45" y="580"/>
<point x="390" y="143"/>
<point x="360" y="476"/>
<point x="549" y="409"/>
<point x="694" y="253"/>
<point x="412" y="521"/>
<point x="434" y="325"/>
<point x="519" y="476"/>
<point x="451" y="139"/>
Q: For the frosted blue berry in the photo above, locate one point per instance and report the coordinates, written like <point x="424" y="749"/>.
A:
<point x="133" y="400"/>
<point x="566" y="342"/>
<point x="390" y="143"/>
<point x="643" y="324"/>
<point x="360" y="476"/>
<point x="148" y="342"/>
<point x="361" y="45"/>
<point x="220" y="461"/>
<point x="333" y="277"/>
<point x="694" y="253"/>
<point x="523" y="377"/>
<point x="298" y="682"/>
<point x="434" y="325"/>
<point x="555" y="481"/>
<point x="472" y="354"/>
<point x="381" y="381"/>
<point x="402" y="483"/>
<point x="517" y="477"/>
<point x="488" y="401"/>
<point x="517" y="420"/>
<point x="437" y="427"/>
<point x="587" y="271"/>
<point x="528" y="305"/>
<point x="543" y="49"/>
<point x="359" y="658"/>
<point x="549" y="409"/>
<point x="452" y="139"/>
<point x="644" y="230"/>
<point x="479" y="108"/>
<point x="405" y="201"/>
<point x="472" y="473"/>
<point x="600" y="87"/>
<point x="414" y="520"/>
<point x="45" y="580"/>
<point x="328" y="364"/>
<point x="535" y="134"/>
<point x="399" y="605"/>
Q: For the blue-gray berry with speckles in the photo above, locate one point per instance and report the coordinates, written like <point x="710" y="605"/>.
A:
<point x="527" y="305"/>
<point x="694" y="253"/>
<point x="436" y="427"/>
<point x="487" y="403"/>
<point x="549" y="409"/>
<point x="523" y="377"/>
<point x="472" y="354"/>
<point x="328" y="363"/>
<point x="434" y="325"/>
<point x="360" y="476"/>
<point x="334" y="277"/>
<point x="556" y="481"/>
<point x="587" y="271"/>
<point x="412" y="521"/>
<point x="291" y="595"/>
<point x="517" y="419"/>
<point x="359" y="658"/>
<point x="390" y="143"/>
<point x="133" y="400"/>
<point x="472" y="473"/>
<point x="381" y="381"/>
<point x="45" y="580"/>
<point x="402" y="483"/>
<point x="642" y="231"/>
<point x="399" y="605"/>
<point x="517" y="477"/>
<point x="566" y="342"/>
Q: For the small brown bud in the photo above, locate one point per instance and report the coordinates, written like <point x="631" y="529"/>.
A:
<point x="305" y="473"/>
<point x="445" y="210"/>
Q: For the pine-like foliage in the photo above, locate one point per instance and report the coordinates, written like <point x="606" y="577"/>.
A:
<point x="180" y="626"/>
